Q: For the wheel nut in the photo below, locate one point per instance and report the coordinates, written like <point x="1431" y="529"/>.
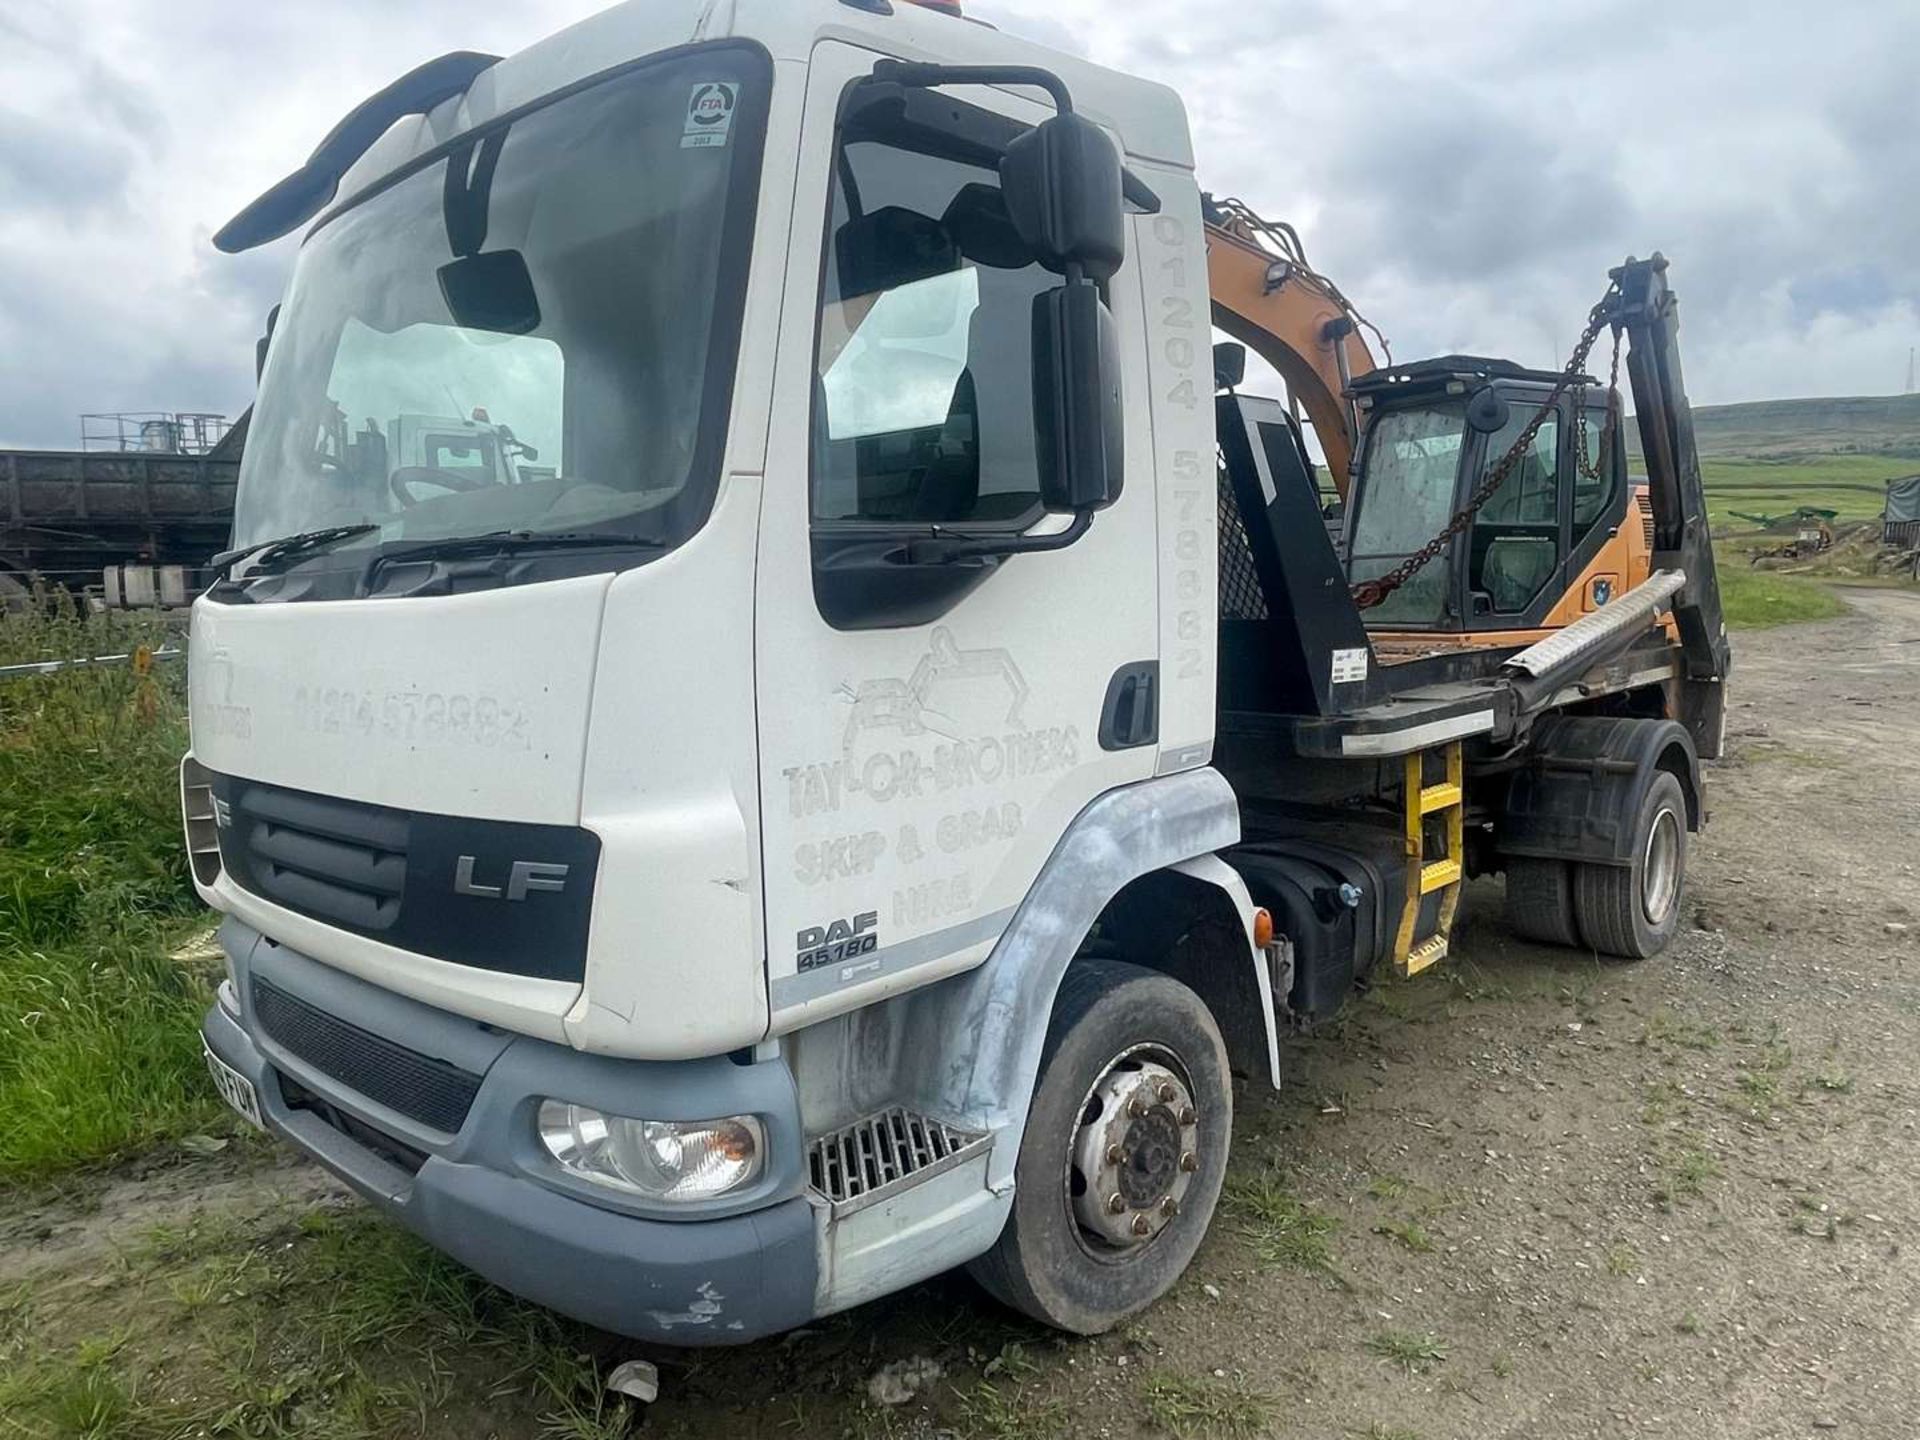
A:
<point x="1166" y="1091"/>
<point x="1189" y="1162"/>
<point x="1115" y="1155"/>
<point x="1115" y="1204"/>
<point x="1140" y="1225"/>
<point x="1169" y="1207"/>
<point x="1188" y="1115"/>
<point x="1136" y="1107"/>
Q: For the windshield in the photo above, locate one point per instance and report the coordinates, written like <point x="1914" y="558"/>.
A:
<point x="535" y="331"/>
<point x="1412" y="467"/>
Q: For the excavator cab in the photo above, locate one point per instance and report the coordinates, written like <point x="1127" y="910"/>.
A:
<point x="1552" y="542"/>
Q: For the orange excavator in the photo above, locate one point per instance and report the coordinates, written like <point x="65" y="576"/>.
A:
<point x="1480" y="503"/>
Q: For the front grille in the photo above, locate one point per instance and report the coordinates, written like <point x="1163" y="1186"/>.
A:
<point x="428" y="1091"/>
<point x="872" y="1158"/>
<point x="330" y="858"/>
<point x="438" y="885"/>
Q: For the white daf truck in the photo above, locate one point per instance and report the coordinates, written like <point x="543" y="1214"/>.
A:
<point x="802" y="837"/>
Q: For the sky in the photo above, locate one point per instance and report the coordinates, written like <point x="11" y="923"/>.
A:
<point x="1465" y="172"/>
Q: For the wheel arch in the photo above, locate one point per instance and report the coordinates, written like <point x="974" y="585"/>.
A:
<point x="1193" y="922"/>
<point x="985" y="1030"/>
<point x="1586" y="775"/>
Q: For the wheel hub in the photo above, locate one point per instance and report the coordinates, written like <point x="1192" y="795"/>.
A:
<point x="1135" y="1153"/>
<point x="1660" y="868"/>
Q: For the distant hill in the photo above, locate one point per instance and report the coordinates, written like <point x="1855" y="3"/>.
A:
<point x="1784" y="429"/>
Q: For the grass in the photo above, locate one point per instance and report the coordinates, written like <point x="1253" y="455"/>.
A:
<point x="1189" y="1407"/>
<point x="1283" y="1229"/>
<point x="1758" y="599"/>
<point x="99" y="1051"/>
<point x="1825" y="482"/>
<point x="341" y="1325"/>
<point x="1408" y="1234"/>
<point x="1410" y="1351"/>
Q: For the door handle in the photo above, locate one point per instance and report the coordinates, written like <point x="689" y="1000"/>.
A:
<point x="1130" y="715"/>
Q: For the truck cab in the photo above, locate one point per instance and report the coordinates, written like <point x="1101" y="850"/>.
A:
<point x="670" y="785"/>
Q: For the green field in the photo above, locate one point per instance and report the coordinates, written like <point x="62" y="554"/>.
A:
<point x="1854" y="485"/>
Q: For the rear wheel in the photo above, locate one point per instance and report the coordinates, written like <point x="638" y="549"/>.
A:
<point x="1540" y="900"/>
<point x="1123" y="1155"/>
<point x="1632" y="910"/>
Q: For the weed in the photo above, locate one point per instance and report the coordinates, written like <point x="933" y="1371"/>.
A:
<point x="1388" y="1187"/>
<point x="1011" y="1412"/>
<point x="1284" y="1230"/>
<point x="1621" y="1261"/>
<point x="1186" y="1405"/>
<point x="1412" y="1353"/>
<point x="99" y="1051"/>
<point x="1408" y="1234"/>
<point x="1689" y="1324"/>
<point x="1663" y="1027"/>
<point x="1838" y="1081"/>
<point x="1501" y="1365"/>
<point x="1687" y="1176"/>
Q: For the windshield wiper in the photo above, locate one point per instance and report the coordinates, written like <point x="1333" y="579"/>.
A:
<point x="265" y="552"/>
<point x="500" y="542"/>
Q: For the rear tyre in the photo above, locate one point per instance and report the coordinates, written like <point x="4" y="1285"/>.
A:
<point x="1540" y="900"/>
<point x="1123" y="1155"/>
<point x="1631" y="911"/>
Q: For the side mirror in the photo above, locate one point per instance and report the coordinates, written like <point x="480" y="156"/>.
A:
<point x="1229" y="365"/>
<point x="1487" y="410"/>
<point x="1062" y="185"/>
<point x="1076" y="399"/>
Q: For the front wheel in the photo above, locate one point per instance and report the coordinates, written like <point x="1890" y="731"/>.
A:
<point x="1123" y="1154"/>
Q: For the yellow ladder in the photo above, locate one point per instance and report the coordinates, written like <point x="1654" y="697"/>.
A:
<point x="1424" y="876"/>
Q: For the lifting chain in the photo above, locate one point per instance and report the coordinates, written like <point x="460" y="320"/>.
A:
<point x="1369" y="593"/>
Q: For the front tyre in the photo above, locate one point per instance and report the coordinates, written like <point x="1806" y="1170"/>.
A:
<point x="1123" y="1155"/>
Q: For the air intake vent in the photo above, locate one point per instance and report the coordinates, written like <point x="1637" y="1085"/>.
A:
<point x="873" y="1158"/>
<point x="1641" y="499"/>
<point x="425" y="1090"/>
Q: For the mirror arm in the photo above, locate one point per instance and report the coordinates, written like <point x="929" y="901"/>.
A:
<point x="944" y="549"/>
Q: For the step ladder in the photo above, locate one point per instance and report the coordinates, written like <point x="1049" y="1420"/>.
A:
<point x="1445" y="873"/>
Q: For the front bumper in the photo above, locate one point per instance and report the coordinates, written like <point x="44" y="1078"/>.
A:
<point x="735" y="1271"/>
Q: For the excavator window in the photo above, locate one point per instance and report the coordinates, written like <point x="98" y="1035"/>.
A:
<point x="1591" y="494"/>
<point x="1412" y="469"/>
<point x="1516" y="536"/>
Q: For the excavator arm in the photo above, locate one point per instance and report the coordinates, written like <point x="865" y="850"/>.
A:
<point x="1294" y="319"/>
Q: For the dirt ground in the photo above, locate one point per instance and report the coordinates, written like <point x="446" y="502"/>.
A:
<point x="1530" y="1195"/>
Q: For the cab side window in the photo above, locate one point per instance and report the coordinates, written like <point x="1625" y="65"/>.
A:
<point x="923" y="390"/>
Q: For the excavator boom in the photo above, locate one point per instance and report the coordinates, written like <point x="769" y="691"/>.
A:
<point x="1294" y="320"/>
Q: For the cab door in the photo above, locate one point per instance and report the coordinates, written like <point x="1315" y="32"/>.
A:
<point x="927" y="731"/>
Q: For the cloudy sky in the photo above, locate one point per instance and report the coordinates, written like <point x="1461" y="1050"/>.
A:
<point x="1466" y="172"/>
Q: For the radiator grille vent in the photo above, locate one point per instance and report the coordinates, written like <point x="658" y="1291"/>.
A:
<point x="428" y="1091"/>
<point x="1646" y="516"/>
<point x="872" y="1158"/>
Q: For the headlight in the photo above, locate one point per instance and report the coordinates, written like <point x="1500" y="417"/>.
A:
<point x="658" y="1159"/>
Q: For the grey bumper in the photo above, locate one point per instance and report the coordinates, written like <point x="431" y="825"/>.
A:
<point x="728" y="1274"/>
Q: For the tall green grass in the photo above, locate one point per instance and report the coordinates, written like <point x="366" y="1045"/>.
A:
<point x="99" y="1052"/>
<point x="1757" y="600"/>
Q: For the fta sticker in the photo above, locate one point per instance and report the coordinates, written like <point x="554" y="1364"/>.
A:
<point x="709" y="114"/>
